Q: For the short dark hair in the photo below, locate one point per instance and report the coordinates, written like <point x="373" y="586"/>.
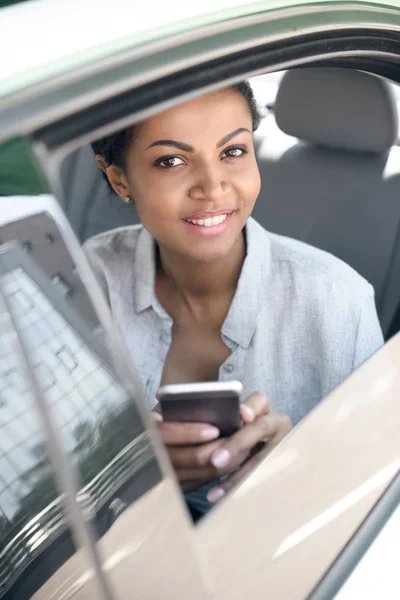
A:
<point x="113" y="147"/>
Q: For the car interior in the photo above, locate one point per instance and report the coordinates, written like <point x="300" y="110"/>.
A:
<point x="330" y="170"/>
<point x="329" y="160"/>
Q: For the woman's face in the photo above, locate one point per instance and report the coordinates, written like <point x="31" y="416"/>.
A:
<point x="193" y="176"/>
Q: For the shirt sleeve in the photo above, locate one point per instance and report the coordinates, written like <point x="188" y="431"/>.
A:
<point x="369" y="336"/>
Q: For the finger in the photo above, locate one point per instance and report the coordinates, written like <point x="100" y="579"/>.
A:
<point x="256" y="405"/>
<point x="192" y="457"/>
<point x="218" y="492"/>
<point x="156" y="416"/>
<point x="238" y="447"/>
<point x="184" y="434"/>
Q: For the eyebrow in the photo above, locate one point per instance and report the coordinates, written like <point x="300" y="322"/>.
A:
<point x="231" y="135"/>
<point x="174" y="144"/>
<point x="188" y="148"/>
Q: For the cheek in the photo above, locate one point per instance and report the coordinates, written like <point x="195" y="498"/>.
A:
<point x="249" y="182"/>
<point x="256" y="180"/>
<point x="158" y="183"/>
<point x="155" y="198"/>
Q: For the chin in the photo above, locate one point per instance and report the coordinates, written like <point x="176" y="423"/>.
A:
<point x="207" y="256"/>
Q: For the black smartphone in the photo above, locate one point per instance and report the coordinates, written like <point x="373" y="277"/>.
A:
<point x="216" y="403"/>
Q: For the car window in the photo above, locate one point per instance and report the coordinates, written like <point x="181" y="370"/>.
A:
<point x="92" y="410"/>
<point x="18" y="175"/>
<point x="32" y="511"/>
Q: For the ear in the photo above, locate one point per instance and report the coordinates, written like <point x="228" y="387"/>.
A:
<point x="116" y="178"/>
<point x="101" y="163"/>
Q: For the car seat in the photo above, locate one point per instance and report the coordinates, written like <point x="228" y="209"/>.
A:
<point x="89" y="202"/>
<point x="331" y="173"/>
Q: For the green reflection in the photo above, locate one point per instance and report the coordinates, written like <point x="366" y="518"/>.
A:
<point x="18" y="173"/>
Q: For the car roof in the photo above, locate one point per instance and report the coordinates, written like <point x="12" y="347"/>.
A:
<point x="43" y="38"/>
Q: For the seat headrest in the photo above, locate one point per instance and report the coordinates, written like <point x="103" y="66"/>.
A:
<point x="338" y="108"/>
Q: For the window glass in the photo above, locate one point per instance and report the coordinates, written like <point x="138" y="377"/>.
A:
<point x="96" y="418"/>
<point x="18" y="175"/>
<point x="33" y="526"/>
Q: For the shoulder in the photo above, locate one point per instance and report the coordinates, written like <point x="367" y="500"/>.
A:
<point x="111" y="254"/>
<point x="313" y="268"/>
<point x="114" y="242"/>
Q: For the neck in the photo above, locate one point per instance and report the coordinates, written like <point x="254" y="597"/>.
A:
<point x="202" y="281"/>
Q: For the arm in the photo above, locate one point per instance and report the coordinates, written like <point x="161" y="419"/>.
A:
<point x="369" y="336"/>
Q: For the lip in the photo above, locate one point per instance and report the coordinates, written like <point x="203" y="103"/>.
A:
<point x="213" y="229"/>
<point x="210" y="214"/>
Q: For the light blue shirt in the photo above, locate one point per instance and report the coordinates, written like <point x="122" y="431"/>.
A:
<point x="300" y="322"/>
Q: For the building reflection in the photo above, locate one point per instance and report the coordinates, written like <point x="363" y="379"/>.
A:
<point x="96" y="420"/>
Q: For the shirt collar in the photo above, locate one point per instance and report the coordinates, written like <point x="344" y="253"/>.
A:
<point x="241" y="320"/>
<point x="145" y="271"/>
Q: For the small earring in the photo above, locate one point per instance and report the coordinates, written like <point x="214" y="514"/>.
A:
<point x="126" y="199"/>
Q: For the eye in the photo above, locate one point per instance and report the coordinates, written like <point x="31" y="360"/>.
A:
<point x="168" y="162"/>
<point x="234" y="152"/>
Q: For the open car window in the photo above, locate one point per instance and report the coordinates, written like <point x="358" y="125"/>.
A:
<point x="87" y="327"/>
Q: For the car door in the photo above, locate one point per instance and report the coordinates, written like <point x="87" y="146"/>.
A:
<point x="75" y="440"/>
<point x="280" y="530"/>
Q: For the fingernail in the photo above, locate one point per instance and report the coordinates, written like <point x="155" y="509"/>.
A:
<point x="209" y="433"/>
<point x="215" y="494"/>
<point x="220" y="458"/>
<point x="249" y="412"/>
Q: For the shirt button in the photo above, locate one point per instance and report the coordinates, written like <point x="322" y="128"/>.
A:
<point x="229" y="368"/>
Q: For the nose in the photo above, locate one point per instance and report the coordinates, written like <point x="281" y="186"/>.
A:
<point x="209" y="184"/>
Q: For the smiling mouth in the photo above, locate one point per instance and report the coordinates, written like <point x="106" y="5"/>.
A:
<point x="210" y="222"/>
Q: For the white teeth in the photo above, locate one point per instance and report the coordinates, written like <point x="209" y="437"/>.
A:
<point x="208" y="222"/>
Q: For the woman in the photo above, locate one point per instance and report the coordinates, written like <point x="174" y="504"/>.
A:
<point x="202" y="292"/>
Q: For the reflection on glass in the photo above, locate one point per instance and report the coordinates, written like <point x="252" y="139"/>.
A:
<point x="95" y="416"/>
<point x="89" y="407"/>
<point x="31" y="518"/>
<point x="97" y="422"/>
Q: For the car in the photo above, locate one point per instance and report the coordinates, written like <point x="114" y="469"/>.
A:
<point x="89" y="504"/>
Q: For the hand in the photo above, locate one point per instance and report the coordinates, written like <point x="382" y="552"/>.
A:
<point x="190" y="446"/>
<point x="262" y="430"/>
